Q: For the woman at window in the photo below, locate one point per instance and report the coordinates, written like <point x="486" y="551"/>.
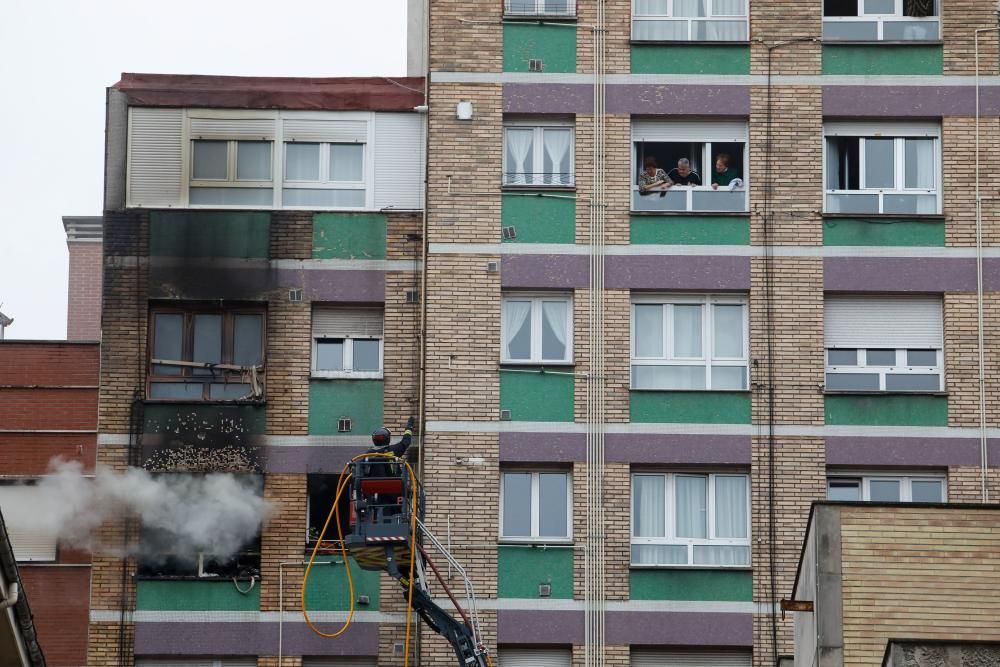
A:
<point x="653" y="178"/>
<point x="724" y="174"/>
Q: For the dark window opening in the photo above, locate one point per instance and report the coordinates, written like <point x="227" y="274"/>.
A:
<point x="322" y="490"/>
<point x="843" y="163"/>
<point x="702" y="156"/>
<point x="840" y="7"/>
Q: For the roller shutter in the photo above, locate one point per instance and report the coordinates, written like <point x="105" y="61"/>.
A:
<point x="646" y="658"/>
<point x="734" y="131"/>
<point x="523" y="657"/>
<point x="883" y="322"/>
<point x="154" y="157"/>
<point x="29" y="543"/>
<point x="347" y="323"/>
<point x="333" y="131"/>
<point x="232" y="128"/>
<point x="399" y="160"/>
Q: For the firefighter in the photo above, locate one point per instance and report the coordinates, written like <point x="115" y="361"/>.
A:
<point x="382" y="436"/>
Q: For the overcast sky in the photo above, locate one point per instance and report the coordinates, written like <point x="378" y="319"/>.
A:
<point x="58" y="56"/>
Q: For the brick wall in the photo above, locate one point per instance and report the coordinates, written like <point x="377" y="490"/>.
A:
<point x="49" y="363"/>
<point x="102" y="645"/>
<point x="959" y="20"/>
<point x="961" y="351"/>
<point x="283" y="539"/>
<point x="965" y="484"/>
<point x="958" y="137"/>
<point x="617" y="326"/>
<point x="618" y="27"/>
<point x="289" y="357"/>
<point x="614" y="656"/>
<point x="60" y="605"/>
<point x="83" y="321"/>
<point x="617" y="146"/>
<point x="782" y="21"/>
<point x="402" y="324"/>
<point x="457" y="46"/>
<point x="617" y="548"/>
<point x="291" y="235"/>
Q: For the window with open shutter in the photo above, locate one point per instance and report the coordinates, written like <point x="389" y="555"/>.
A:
<point x="535" y="657"/>
<point x="690" y="658"/>
<point x="347" y="342"/>
<point x="155" y="164"/>
<point x="30" y="543"/>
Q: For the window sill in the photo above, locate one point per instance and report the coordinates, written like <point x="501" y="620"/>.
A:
<point x="688" y="42"/>
<point x="346" y="376"/>
<point x="187" y="401"/>
<point x="728" y="568"/>
<point x="690" y="214"/>
<point x="917" y="217"/>
<point x="841" y="392"/>
<point x="694" y="391"/>
<point x="539" y="18"/>
<point x="883" y="42"/>
<point x="533" y="542"/>
<point x="538" y="188"/>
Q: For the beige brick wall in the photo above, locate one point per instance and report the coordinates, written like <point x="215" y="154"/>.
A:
<point x="436" y="652"/>
<point x="466" y="157"/>
<point x="961" y="349"/>
<point x="617" y="485"/>
<point x="463" y="338"/>
<point x="965" y="484"/>
<point x="958" y="137"/>
<point x="797" y="340"/>
<point x="614" y="655"/>
<point x="796" y="164"/>
<point x="457" y="46"/>
<point x="286" y="661"/>
<point x="401" y="360"/>
<point x="617" y="178"/>
<point x="283" y="539"/>
<point x="288" y="363"/>
<point x="617" y="314"/>
<point x="618" y="32"/>
<point x="781" y="21"/>
<point x="919" y="572"/>
<point x="959" y="20"/>
<point x="103" y="643"/>
<point x="291" y="235"/>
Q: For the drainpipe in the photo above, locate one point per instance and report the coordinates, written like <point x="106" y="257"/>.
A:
<point x="13" y="593"/>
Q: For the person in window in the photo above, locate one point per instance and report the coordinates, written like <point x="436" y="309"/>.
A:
<point x="652" y="178"/>
<point x="724" y="174"/>
<point x="683" y="174"/>
<point x="918" y="8"/>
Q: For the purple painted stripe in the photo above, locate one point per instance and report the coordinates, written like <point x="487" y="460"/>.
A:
<point x="340" y="286"/>
<point x="908" y="101"/>
<point x="628" y="99"/>
<point x="543" y="447"/>
<point x="304" y="459"/>
<point x="182" y="282"/>
<point x="678" y="272"/>
<point x="545" y="271"/>
<point x="242" y="639"/>
<point x="899" y="274"/>
<point x="644" y="628"/>
<point x="675" y="449"/>
<point x="906" y="452"/>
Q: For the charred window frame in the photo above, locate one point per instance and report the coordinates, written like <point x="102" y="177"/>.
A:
<point x="320" y="493"/>
<point x="231" y="336"/>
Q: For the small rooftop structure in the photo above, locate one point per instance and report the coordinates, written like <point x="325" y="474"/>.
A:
<point x="4" y="323"/>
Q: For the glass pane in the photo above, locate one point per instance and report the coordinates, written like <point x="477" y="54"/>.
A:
<point x="905" y="203"/>
<point x="842" y="357"/>
<point x="880" y="162"/>
<point x="323" y="198"/>
<point x="176" y="390"/>
<point x="253" y="160"/>
<point x="649" y="330"/>
<point x="844" y="203"/>
<point x="517" y="504"/>
<point x="729" y="378"/>
<point x="263" y="197"/>
<point x="208" y="160"/>
<point x="921" y="357"/>
<point x="927" y="491"/>
<point x="517" y="329"/>
<point x="554" y="321"/>
<point x="330" y="355"/>
<point x="552" y="505"/>
<point x="912" y="382"/>
<point x="900" y="31"/>
<point x="168" y="342"/>
<point x="879" y="7"/>
<point x="729" y="8"/>
<point x="843" y="489"/>
<point x="301" y="162"/>
<point x="558" y="7"/>
<point x="347" y="162"/>
<point x="668" y="377"/>
<point x="366" y="354"/>
<point x="519" y="156"/>
<point x="521" y="6"/>
<point x="670" y="200"/>
<point x="719" y="200"/>
<point x="207" y="341"/>
<point x="721" y="555"/>
<point x="691" y="506"/>
<point x="852" y="382"/>
<point x="648" y="506"/>
<point x="728" y="332"/>
<point x="651" y="7"/>
<point x="883" y="490"/>
<point x="556" y="146"/>
<point x="880" y="357"/>
<point x="866" y="31"/>
<point x="689" y="7"/>
<point x="231" y="391"/>
<point x="687" y="331"/>
<point x="247" y="347"/>
<point x="919" y="159"/>
<point x="730" y="506"/>
<point x="659" y="554"/>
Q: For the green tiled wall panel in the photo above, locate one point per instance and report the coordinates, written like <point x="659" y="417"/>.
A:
<point x="694" y="230"/>
<point x="709" y="585"/>
<point x="521" y="569"/>
<point x="889" y="410"/>
<point x="690" y="59"/>
<point x="179" y="595"/>
<point x="209" y="234"/>
<point x="554" y="45"/>
<point x="690" y="407"/>
<point x="329" y="400"/>
<point x="873" y="59"/>
<point x="537" y="397"/>
<point x="860" y="232"/>
<point x="540" y="219"/>
<point x="349" y="236"/>
<point x="328" y="589"/>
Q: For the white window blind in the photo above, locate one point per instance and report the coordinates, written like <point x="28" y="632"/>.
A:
<point x="733" y="131"/>
<point x="881" y="129"/>
<point x="154" y="157"/>
<point x="399" y="160"/>
<point x="333" y="131"/>
<point x="649" y="658"/>
<point x="347" y="322"/>
<point x="232" y="128"/>
<point x="523" y="657"/>
<point x="883" y="322"/>
<point x="30" y="543"/>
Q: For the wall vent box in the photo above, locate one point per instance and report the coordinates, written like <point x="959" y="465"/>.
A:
<point x="509" y="233"/>
<point x="412" y="297"/>
<point x="505" y="416"/>
<point x="364" y="600"/>
<point x="463" y="110"/>
<point x="544" y="590"/>
<point x="344" y="425"/>
<point x="492" y="267"/>
<point x="295" y="295"/>
<point x="535" y="65"/>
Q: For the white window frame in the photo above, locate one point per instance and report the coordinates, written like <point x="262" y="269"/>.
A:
<point x="539" y="9"/>
<point x="906" y="480"/>
<point x="231" y="180"/>
<point x="537" y="299"/>
<point x="711" y="16"/>
<point x="670" y="529"/>
<point x="899" y="368"/>
<point x="348" y="371"/>
<point x="881" y="19"/>
<point x="324" y="182"/>
<point x="538" y="152"/>
<point x="6" y="481"/>
<point x="535" y="508"/>
<point x="899" y="133"/>
<point x="707" y="360"/>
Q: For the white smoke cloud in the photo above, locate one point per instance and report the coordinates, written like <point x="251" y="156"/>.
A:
<point x="215" y="513"/>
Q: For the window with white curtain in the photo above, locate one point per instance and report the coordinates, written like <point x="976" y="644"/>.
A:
<point x="884" y="344"/>
<point x="536" y="328"/>
<point x="535" y="505"/>
<point x="693" y="519"/>
<point x="231" y="173"/>
<point x="539" y="7"/>
<point x="324" y="175"/>
<point x="537" y="154"/>
<point x="690" y="20"/>
<point x="888" y="488"/>
<point x="881" y="20"/>
<point x="690" y="343"/>
<point x="882" y="170"/>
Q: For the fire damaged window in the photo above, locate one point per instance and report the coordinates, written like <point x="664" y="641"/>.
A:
<point x="206" y="354"/>
<point x="322" y="489"/>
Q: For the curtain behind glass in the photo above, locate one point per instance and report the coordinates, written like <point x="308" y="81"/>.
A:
<point x="920" y="169"/>
<point x="253" y="160"/>
<point x="728" y="331"/>
<point x="690" y="7"/>
<point x="721" y="31"/>
<point x="516" y="318"/>
<point x="692" y="506"/>
<point x="648" y="516"/>
<point x="651" y="7"/>
<point x="347" y="162"/>
<point x="880" y="160"/>
<point x="554" y="320"/>
<point x="729" y="8"/>
<point x="687" y="331"/>
<point x="556" y="163"/>
<point x="552" y="509"/>
<point x="519" y="157"/>
<point x="730" y="506"/>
